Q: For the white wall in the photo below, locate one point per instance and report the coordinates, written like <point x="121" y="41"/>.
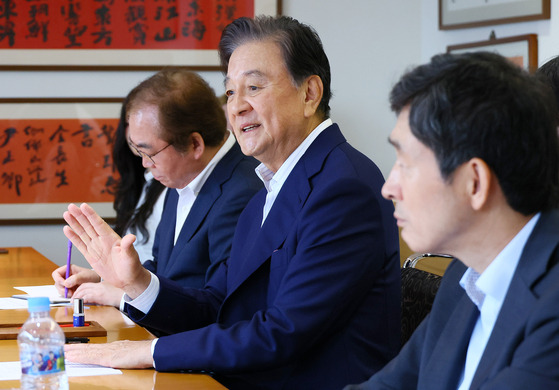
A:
<point x="435" y="41"/>
<point x="369" y="43"/>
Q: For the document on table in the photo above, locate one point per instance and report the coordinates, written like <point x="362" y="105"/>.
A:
<point x="10" y="371"/>
<point x="41" y="291"/>
<point x="12" y="303"/>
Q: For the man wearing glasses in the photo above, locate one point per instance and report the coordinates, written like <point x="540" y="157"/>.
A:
<point x="178" y="128"/>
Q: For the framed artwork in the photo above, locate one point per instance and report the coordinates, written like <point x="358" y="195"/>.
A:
<point x="521" y="49"/>
<point x="118" y="35"/>
<point x="54" y="152"/>
<point x="455" y="14"/>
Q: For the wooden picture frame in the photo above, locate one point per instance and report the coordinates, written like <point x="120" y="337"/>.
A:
<point x="454" y="14"/>
<point x="521" y="49"/>
<point x="56" y="151"/>
<point x="103" y="35"/>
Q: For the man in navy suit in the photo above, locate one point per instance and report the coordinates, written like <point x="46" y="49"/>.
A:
<point x="176" y="124"/>
<point x="477" y="176"/>
<point x="310" y="295"/>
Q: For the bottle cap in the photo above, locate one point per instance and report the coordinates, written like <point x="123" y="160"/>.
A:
<point x="37" y="304"/>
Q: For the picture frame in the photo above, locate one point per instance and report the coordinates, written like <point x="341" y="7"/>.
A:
<point x="116" y="36"/>
<point x="455" y="14"/>
<point x="521" y="49"/>
<point x="56" y="151"/>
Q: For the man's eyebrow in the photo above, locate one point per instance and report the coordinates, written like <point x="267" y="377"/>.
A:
<point x="140" y="145"/>
<point x="248" y="73"/>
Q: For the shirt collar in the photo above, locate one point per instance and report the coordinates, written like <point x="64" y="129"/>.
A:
<point x="196" y="185"/>
<point x="496" y="278"/>
<point x="274" y="181"/>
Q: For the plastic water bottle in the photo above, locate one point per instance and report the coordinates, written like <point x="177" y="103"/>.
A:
<point x="41" y="349"/>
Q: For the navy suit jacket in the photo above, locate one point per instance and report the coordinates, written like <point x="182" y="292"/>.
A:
<point x="206" y="236"/>
<point x="308" y="300"/>
<point x="523" y="349"/>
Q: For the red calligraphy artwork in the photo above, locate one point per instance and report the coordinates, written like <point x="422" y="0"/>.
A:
<point x="117" y="24"/>
<point x="56" y="160"/>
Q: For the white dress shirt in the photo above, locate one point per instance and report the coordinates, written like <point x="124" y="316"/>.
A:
<point x="274" y="181"/>
<point x="488" y="295"/>
<point x="188" y="194"/>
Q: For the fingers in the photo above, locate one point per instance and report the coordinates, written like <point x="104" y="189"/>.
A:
<point x="82" y="275"/>
<point x="99" y="293"/>
<point x="59" y="281"/>
<point x="81" y="353"/>
<point x="97" y="225"/>
<point x="79" y="223"/>
<point x="127" y="246"/>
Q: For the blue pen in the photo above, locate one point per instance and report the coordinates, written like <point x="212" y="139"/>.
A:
<point x="68" y="263"/>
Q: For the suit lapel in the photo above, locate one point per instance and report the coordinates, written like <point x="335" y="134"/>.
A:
<point x="273" y="233"/>
<point x="166" y="241"/>
<point x="286" y="208"/>
<point x="447" y="359"/>
<point x="209" y="193"/>
<point x="520" y="298"/>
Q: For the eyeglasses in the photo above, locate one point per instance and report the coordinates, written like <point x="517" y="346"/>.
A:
<point x="139" y="153"/>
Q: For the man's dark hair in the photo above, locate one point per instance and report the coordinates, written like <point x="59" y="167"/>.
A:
<point x="300" y="46"/>
<point x="549" y="74"/>
<point x="186" y="104"/>
<point x="481" y="105"/>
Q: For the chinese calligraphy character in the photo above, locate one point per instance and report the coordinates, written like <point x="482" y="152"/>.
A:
<point x="63" y="179"/>
<point x="60" y="156"/>
<point x="8" y="158"/>
<point x="12" y="180"/>
<point x="59" y="133"/>
<point x="85" y="129"/>
<point x="8" y="134"/>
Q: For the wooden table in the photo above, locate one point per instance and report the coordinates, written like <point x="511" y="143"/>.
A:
<point x="27" y="267"/>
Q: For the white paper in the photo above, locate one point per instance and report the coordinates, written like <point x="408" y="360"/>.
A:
<point x="44" y="291"/>
<point x="12" y="303"/>
<point x="12" y="370"/>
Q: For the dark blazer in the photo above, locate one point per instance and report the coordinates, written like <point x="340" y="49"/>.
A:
<point x="523" y="349"/>
<point x="309" y="300"/>
<point x="206" y="236"/>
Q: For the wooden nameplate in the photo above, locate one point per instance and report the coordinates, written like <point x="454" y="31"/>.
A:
<point x="92" y="329"/>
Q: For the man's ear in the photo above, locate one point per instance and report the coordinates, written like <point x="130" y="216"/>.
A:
<point x="313" y="94"/>
<point x="480" y="182"/>
<point x="198" y="145"/>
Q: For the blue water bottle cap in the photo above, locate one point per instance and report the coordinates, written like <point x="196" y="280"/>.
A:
<point x="37" y="304"/>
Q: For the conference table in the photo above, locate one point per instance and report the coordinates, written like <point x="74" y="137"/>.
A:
<point x="27" y="267"/>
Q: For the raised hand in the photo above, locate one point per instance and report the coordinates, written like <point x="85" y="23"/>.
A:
<point x="112" y="257"/>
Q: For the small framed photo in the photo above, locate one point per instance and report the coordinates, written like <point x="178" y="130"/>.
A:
<point x="520" y="49"/>
<point x="119" y="35"/>
<point x="54" y="152"/>
<point x="455" y="14"/>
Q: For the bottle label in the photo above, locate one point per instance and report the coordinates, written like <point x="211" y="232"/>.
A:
<point x="43" y="361"/>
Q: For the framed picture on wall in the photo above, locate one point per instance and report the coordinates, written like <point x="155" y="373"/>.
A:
<point x="521" y="49"/>
<point x="455" y="14"/>
<point x="54" y="152"/>
<point x="119" y="35"/>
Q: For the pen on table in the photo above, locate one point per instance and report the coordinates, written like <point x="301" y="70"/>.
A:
<point x="68" y="263"/>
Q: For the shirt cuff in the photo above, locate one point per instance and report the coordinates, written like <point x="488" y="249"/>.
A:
<point x="145" y="300"/>
<point x="153" y="350"/>
<point x="122" y="303"/>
